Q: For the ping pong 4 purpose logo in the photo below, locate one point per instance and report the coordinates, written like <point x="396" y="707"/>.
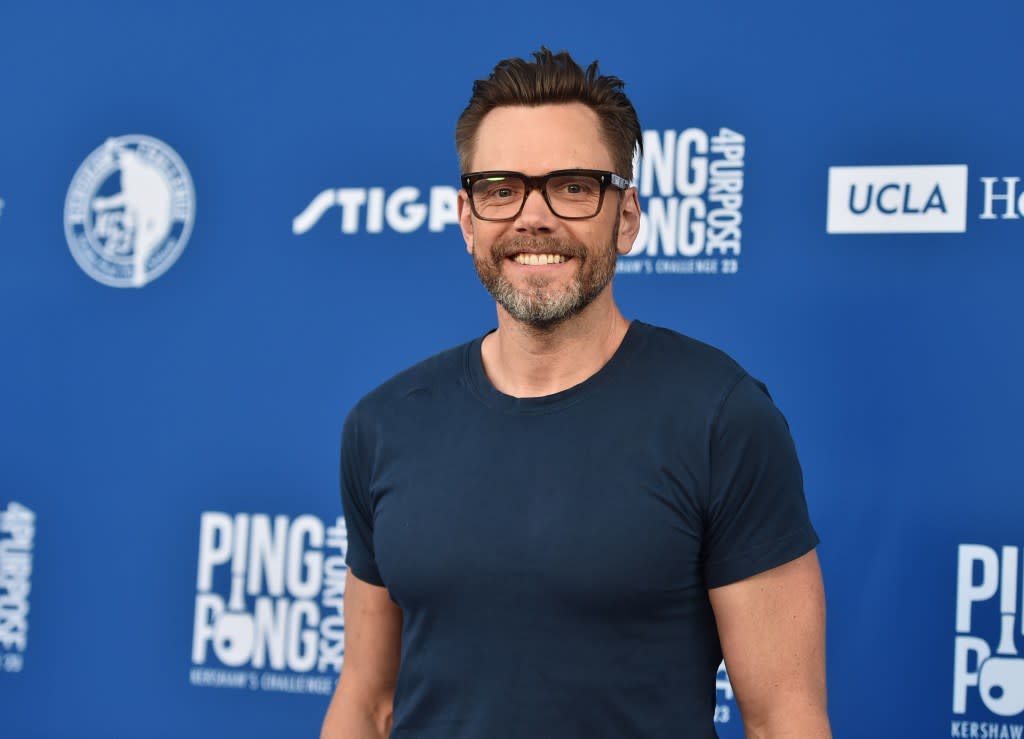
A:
<point x="17" y="532"/>
<point x="269" y="599"/>
<point x="690" y="185"/>
<point x="988" y="669"/>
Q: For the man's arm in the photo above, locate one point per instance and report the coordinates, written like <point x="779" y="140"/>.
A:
<point x="772" y="629"/>
<point x="362" y="704"/>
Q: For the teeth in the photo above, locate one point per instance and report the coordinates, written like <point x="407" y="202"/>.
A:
<point x="539" y="259"/>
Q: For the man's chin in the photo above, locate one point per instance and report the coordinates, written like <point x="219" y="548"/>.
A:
<point x="540" y="301"/>
<point x="541" y="321"/>
<point x="539" y="310"/>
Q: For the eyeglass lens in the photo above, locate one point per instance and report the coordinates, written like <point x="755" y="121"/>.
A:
<point x="571" y="196"/>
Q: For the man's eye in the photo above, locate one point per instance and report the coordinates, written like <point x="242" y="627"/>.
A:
<point x="576" y="187"/>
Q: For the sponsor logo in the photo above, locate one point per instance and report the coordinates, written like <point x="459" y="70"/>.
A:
<point x="691" y="192"/>
<point x="988" y="670"/>
<point x="904" y="199"/>
<point x="926" y="198"/>
<point x="268" y="609"/>
<point x="725" y="698"/>
<point x="129" y="211"/>
<point x="403" y="210"/>
<point x="1002" y="198"/>
<point x="17" y="532"/>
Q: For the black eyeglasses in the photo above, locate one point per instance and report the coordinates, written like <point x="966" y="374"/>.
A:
<point x="573" y="194"/>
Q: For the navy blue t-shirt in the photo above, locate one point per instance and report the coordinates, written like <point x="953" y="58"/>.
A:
<point x="552" y="555"/>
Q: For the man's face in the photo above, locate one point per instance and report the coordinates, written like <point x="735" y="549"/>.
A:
<point x="541" y="268"/>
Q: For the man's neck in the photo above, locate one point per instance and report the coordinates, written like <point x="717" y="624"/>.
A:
<point x="528" y="362"/>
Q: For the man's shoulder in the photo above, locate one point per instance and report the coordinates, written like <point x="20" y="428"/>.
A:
<point x="687" y="358"/>
<point x="438" y="373"/>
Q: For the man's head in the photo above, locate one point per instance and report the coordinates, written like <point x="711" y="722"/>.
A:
<point x="552" y="79"/>
<point x="553" y="257"/>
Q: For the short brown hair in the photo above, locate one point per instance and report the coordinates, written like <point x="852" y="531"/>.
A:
<point x="554" y="78"/>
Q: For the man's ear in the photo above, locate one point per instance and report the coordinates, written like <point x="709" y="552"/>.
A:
<point x="465" y="220"/>
<point x="629" y="221"/>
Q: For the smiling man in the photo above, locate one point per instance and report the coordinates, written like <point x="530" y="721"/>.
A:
<point x="558" y="529"/>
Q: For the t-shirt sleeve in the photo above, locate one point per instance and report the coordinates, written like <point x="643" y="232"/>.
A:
<point x="757" y="514"/>
<point x="356" y="502"/>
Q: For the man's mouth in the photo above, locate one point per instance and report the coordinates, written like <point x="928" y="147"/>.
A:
<point x="539" y="259"/>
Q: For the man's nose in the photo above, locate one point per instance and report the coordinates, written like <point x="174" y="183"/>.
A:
<point x="535" y="216"/>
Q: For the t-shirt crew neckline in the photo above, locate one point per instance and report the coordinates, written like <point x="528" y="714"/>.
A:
<point x="480" y="385"/>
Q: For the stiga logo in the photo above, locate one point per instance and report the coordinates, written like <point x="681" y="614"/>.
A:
<point x="403" y="210"/>
<point x="988" y="671"/>
<point x="691" y="191"/>
<point x="906" y="199"/>
<point x="268" y="611"/>
<point x="17" y="533"/>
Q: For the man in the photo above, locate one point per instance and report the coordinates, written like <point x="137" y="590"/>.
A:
<point x="557" y="530"/>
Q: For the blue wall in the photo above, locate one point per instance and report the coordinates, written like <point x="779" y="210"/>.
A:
<point x="170" y="545"/>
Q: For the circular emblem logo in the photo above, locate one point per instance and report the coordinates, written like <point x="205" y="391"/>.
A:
<point x="129" y="211"/>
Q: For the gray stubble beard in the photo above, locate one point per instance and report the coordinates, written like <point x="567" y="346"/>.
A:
<point x="535" y="306"/>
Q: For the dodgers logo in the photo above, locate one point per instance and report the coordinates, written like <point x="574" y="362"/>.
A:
<point x="129" y="211"/>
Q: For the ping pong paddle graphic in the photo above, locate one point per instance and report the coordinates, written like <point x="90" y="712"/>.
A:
<point x="1001" y="676"/>
<point x="235" y="630"/>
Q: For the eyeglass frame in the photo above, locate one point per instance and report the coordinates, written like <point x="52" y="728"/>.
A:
<point x="540" y="182"/>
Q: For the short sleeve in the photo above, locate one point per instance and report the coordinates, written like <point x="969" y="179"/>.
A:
<point x="356" y="503"/>
<point x="757" y="515"/>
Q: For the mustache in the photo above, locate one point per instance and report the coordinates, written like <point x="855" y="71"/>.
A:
<point x="533" y="245"/>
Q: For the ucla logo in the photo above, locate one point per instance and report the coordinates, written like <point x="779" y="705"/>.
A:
<point x="916" y="198"/>
<point x="129" y="211"/>
<point x="894" y="197"/>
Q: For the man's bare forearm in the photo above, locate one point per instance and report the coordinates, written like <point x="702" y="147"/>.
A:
<point x="345" y="720"/>
<point x="353" y="728"/>
<point x="806" y="724"/>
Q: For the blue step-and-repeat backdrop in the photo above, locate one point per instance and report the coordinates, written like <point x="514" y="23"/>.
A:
<point x="222" y="223"/>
